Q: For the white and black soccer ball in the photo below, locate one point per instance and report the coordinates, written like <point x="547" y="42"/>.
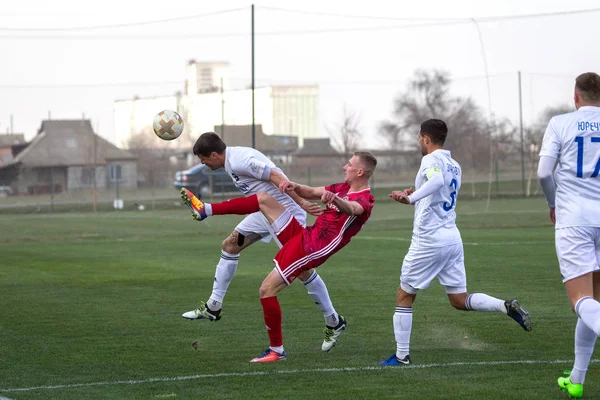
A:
<point x="168" y="125"/>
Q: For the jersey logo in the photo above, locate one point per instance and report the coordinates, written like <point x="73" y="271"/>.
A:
<point x="237" y="178"/>
<point x="254" y="167"/>
<point x="333" y="206"/>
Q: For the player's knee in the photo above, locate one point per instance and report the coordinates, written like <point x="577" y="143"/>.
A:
<point x="265" y="291"/>
<point x="305" y="275"/>
<point x="458" y="302"/>
<point x="231" y="245"/>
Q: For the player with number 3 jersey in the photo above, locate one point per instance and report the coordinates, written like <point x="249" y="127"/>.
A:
<point x="436" y="249"/>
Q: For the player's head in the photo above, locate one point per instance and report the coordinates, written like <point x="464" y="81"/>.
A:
<point x="587" y="90"/>
<point x="432" y="135"/>
<point x="210" y="149"/>
<point x="360" y="167"/>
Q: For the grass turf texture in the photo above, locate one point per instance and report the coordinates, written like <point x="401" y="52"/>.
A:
<point x="97" y="298"/>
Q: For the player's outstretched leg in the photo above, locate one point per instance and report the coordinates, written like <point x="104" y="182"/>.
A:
<point x="332" y="334"/>
<point x="203" y="312"/>
<point x="575" y="390"/>
<point x="195" y="205"/>
<point x="518" y="313"/>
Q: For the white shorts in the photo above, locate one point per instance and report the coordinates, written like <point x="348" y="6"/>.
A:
<point x="259" y="224"/>
<point x="578" y="251"/>
<point x="422" y="265"/>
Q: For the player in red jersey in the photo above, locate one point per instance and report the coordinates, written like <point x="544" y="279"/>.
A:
<point x="348" y="206"/>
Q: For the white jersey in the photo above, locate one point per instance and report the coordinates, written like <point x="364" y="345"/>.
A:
<point x="250" y="171"/>
<point x="574" y="139"/>
<point x="435" y="216"/>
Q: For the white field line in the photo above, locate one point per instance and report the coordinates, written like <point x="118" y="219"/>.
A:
<point x="399" y="239"/>
<point x="288" y="372"/>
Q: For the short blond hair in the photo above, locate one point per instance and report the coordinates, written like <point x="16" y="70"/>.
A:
<point x="368" y="161"/>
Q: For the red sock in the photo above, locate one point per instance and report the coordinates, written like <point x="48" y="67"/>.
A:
<point x="238" y="205"/>
<point x="272" y="314"/>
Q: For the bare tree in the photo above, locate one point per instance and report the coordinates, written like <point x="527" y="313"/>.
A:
<point x="428" y="96"/>
<point x="346" y="136"/>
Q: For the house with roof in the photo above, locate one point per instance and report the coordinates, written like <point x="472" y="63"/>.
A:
<point x="67" y="155"/>
<point x="7" y="141"/>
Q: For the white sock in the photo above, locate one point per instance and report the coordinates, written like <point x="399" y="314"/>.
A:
<point x="208" y="209"/>
<point x="318" y="291"/>
<point x="223" y="274"/>
<point x="585" y="339"/>
<point x="277" y="349"/>
<point x="588" y="310"/>
<point x="402" y="328"/>
<point x="483" y="302"/>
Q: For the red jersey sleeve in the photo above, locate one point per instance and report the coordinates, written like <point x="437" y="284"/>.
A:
<point x="335" y="187"/>
<point x="366" y="201"/>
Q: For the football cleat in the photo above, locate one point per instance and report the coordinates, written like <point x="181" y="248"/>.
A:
<point x="575" y="390"/>
<point x="518" y="313"/>
<point x="269" y="356"/>
<point x="395" y="361"/>
<point x="332" y="335"/>
<point x="203" y="312"/>
<point x="195" y="204"/>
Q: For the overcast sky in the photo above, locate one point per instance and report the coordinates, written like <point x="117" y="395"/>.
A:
<point x="360" y="62"/>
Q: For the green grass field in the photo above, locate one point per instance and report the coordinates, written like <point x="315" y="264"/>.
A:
<point x="90" y="308"/>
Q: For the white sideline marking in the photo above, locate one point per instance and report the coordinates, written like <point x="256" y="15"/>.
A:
<point x="286" y="372"/>
<point x="400" y="239"/>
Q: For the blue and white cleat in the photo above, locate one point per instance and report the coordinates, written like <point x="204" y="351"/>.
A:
<point x="395" y="361"/>
<point x="518" y="313"/>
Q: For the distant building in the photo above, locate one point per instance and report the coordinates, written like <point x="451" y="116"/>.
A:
<point x="7" y="141"/>
<point x="283" y="110"/>
<point x="67" y="155"/>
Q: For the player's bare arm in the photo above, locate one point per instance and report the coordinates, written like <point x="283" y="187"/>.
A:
<point x="345" y="206"/>
<point x="306" y="192"/>
<point x="277" y="178"/>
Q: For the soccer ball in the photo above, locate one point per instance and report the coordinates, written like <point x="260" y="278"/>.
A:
<point x="168" y="125"/>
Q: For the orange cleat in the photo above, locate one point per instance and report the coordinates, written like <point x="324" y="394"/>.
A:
<point x="269" y="356"/>
<point x="195" y="204"/>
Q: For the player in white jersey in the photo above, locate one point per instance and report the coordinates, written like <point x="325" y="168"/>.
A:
<point x="572" y="144"/>
<point x="252" y="173"/>
<point x="436" y="249"/>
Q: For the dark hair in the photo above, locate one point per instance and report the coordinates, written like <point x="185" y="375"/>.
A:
<point x="207" y="143"/>
<point x="435" y="129"/>
<point x="368" y="160"/>
<point x="588" y="86"/>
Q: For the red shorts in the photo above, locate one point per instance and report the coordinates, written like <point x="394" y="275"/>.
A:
<point x="292" y="260"/>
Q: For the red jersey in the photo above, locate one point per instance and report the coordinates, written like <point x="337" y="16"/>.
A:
<point x="333" y="229"/>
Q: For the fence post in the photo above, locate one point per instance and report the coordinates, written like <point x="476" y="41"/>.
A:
<point x="51" y="190"/>
<point x="308" y="176"/>
<point x="497" y="180"/>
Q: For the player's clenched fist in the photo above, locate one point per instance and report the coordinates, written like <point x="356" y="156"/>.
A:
<point x="287" y="186"/>
<point x="327" y="197"/>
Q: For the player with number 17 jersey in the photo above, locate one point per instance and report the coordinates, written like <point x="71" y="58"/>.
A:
<point x="575" y="137"/>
